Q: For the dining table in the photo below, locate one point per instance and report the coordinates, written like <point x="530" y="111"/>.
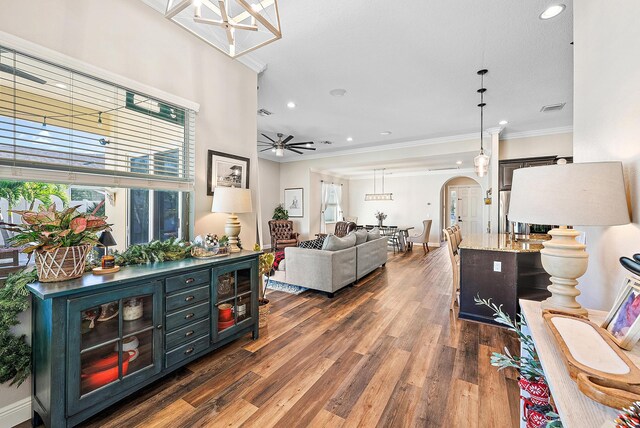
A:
<point x="403" y="237"/>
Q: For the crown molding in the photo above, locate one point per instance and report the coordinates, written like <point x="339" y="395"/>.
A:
<point x="425" y="142"/>
<point x="462" y="172"/>
<point x="251" y="62"/>
<point x="538" y="132"/>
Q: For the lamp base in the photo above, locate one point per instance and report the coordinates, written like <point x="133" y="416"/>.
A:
<point x="565" y="259"/>
<point x="232" y="230"/>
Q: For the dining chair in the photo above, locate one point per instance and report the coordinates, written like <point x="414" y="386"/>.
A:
<point x="455" y="267"/>
<point x="423" y="238"/>
<point x="391" y="232"/>
<point x="458" y="232"/>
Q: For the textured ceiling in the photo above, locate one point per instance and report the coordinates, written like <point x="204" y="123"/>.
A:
<point x="410" y="67"/>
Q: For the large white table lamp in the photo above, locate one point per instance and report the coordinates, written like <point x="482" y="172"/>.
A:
<point x="232" y="201"/>
<point x="579" y="194"/>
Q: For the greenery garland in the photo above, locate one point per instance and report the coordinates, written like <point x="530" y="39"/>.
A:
<point x="15" y="352"/>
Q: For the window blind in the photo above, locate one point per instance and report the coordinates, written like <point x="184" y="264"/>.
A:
<point x="61" y="125"/>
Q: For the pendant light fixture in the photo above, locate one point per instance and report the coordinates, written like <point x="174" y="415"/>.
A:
<point x="481" y="162"/>
<point x="378" y="196"/>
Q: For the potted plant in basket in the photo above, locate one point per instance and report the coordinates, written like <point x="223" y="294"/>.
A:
<point x="60" y="240"/>
<point x="264" y="267"/>
<point x="539" y="412"/>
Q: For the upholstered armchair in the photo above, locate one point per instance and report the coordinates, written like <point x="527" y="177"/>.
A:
<point x="282" y="234"/>
<point x="343" y="228"/>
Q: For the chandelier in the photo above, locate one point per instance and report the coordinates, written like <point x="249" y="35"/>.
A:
<point x="375" y="196"/>
<point x="234" y="27"/>
<point x="481" y="162"/>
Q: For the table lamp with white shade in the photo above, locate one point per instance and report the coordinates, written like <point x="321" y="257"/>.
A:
<point x="232" y="201"/>
<point x="579" y="194"/>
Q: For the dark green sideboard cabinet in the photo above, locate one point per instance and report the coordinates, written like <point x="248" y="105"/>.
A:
<point x="98" y="339"/>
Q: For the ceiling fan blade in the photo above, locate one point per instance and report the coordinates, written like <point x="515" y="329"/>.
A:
<point x="264" y="150"/>
<point x="301" y="144"/>
<point x="303" y="148"/>
<point x="20" y="73"/>
<point x="268" y="138"/>
<point x="286" y="140"/>
<point x="293" y="150"/>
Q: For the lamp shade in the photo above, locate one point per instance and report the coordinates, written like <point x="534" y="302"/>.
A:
<point x="578" y="194"/>
<point x="107" y="239"/>
<point x="231" y="200"/>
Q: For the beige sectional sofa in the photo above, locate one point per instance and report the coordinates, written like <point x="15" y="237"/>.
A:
<point x="329" y="271"/>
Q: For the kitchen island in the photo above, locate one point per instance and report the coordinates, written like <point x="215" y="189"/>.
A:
<point x="497" y="267"/>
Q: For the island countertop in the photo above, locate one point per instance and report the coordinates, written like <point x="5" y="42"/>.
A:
<point x="502" y="242"/>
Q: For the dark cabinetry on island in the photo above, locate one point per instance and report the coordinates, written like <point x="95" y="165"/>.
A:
<point x="98" y="339"/>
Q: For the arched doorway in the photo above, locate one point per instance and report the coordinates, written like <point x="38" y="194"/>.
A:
<point x="462" y="204"/>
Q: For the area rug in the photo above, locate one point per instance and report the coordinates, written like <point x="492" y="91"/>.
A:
<point x="276" y="283"/>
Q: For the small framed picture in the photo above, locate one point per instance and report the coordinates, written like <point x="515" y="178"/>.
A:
<point x="623" y="321"/>
<point x="225" y="170"/>
<point x="294" y="202"/>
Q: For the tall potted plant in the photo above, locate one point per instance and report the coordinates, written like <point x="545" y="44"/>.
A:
<point x="264" y="268"/>
<point x="60" y="240"/>
<point x="279" y="213"/>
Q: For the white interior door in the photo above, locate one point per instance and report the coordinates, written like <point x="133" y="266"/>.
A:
<point x="469" y="209"/>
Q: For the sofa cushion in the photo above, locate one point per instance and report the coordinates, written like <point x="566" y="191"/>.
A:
<point x="373" y="234"/>
<point x="314" y="244"/>
<point x="333" y="243"/>
<point x="361" y="236"/>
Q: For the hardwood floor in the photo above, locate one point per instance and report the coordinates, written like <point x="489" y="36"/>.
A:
<point x="384" y="353"/>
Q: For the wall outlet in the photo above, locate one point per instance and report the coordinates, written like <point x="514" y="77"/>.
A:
<point x="497" y="266"/>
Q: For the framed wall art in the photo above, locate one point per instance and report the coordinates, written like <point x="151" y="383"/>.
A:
<point x="294" y="201"/>
<point x="225" y="170"/>
<point x="623" y="321"/>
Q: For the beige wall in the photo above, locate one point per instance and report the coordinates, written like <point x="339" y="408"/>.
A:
<point x="270" y="195"/>
<point x="130" y="39"/>
<point x="607" y="127"/>
<point x="544" y="145"/>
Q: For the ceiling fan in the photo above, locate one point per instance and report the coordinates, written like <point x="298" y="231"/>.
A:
<point x="281" y="145"/>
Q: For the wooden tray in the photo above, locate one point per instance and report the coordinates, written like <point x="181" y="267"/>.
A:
<point x="602" y="371"/>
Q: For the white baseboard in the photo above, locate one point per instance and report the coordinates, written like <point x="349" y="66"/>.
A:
<point x="16" y="413"/>
<point x="434" y="244"/>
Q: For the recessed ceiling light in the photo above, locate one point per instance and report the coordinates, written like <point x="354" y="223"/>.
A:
<point x="385" y="133"/>
<point x="459" y="163"/>
<point x="60" y="85"/>
<point x="338" y="92"/>
<point x="503" y="122"/>
<point x="291" y="104"/>
<point x="552" y="11"/>
<point x="349" y="139"/>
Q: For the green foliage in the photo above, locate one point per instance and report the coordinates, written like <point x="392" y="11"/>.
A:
<point x="31" y="192"/>
<point x="155" y="251"/>
<point x="48" y="229"/>
<point x="279" y="213"/>
<point x="15" y="352"/>
<point x="223" y="241"/>
<point x="265" y="265"/>
<point x="528" y="366"/>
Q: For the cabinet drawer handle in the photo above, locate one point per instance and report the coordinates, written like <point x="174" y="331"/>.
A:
<point x="189" y="333"/>
<point x="191" y="315"/>
<point x="189" y="280"/>
<point x="189" y="298"/>
<point x="159" y="326"/>
<point x="188" y="351"/>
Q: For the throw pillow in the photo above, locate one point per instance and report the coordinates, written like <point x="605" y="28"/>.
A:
<point x="333" y="243"/>
<point x="314" y="244"/>
<point x="361" y="236"/>
<point x="373" y="234"/>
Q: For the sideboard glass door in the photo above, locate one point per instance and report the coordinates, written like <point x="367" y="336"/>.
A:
<point x="115" y="340"/>
<point x="233" y="294"/>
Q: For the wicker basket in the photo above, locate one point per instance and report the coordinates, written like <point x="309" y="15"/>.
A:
<point x="264" y="308"/>
<point x="62" y="264"/>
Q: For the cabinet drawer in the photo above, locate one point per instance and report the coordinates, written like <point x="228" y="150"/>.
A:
<point x="187" y="297"/>
<point x="187" y="333"/>
<point x="187" y="316"/>
<point x="174" y="283"/>
<point x="186" y="351"/>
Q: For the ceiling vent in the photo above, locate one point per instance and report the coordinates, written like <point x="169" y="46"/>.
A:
<point x="264" y="112"/>
<point x="326" y="142"/>
<point x="552" y="107"/>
